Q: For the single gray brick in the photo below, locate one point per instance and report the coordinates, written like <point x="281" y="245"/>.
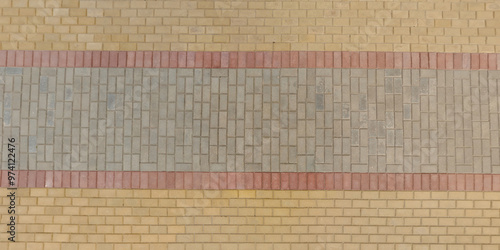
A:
<point x="13" y="71"/>
<point x="393" y="72"/>
<point x="78" y="72"/>
<point x="32" y="144"/>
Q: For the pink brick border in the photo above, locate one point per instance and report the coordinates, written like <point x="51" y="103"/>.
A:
<point x="276" y="59"/>
<point x="254" y="180"/>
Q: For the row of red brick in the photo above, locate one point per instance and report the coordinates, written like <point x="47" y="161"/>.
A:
<point x="254" y="180"/>
<point x="278" y="59"/>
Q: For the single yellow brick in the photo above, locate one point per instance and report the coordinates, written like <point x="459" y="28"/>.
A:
<point x="99" y="202"/>
<point x="87" y="229"/>
<point x="105" y="211"/>
<point x="71" y="210"/>
<point x="70" y="3"/>
<point x="111" y="46"/>
<point x="113" y="238"/>
<point x="38" y="192"/>
<point x="62" y="201"/>
<point x="486" y="49"/>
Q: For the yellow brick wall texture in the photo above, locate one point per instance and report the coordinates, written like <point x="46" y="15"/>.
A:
<point x="105" y="219"/>
<point x="247" y="25"/>
<point x="60" y="219"/>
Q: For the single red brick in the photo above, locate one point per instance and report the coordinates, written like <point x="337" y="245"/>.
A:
<point x="139" y="59"/>
<point x="66" y="180"/>
<point x="294" y="59"/>
<point x="28" y="58"/>
<point x="54" y="58"/>
<point x="478" y="182"/>
<point x="45" y="59"/>
<point x="156" y="60"/>
<point x="424" y="60"/>
<point x="356" y="181"/>
<point x="216" y="60"/>
<point x="251" y="60"/>
<point x="320" y="181"/>
<point x="19" y="58"/>
<point x="389" y="60"/>
<point x="87" y="59"/>
<point x="118" y="180"/>
<point x="257" y="180"/>
<point x="173" y="59"/>
<point x="276" y="63"/>
<point x="75" y="179"/>
<point x="409" y="182"/>
<point x="188" y="180"/>
<point x="400" y="181"/>
<point x="248" y="180"/>
<point x="372" y="60"/>
<point x="110" y="179"/>
<point x="381" y="58"/>
<point x="294" y="181"/>
<point x="3" y="58"/>
<point x="268" y="59"/>
<point x="302" y="185"/>
<point x="434" y="182"/>
<point x="469" y="182"/>
<point x="458" y="61"/>
<point x="162" y="180"/>
<point x="122" y="59"/>
<point x="96" y="59"/>
<point x="329" y="181"/>
<point x="207" y="60"/>
<point x="242" y="59"/>
<point x="415" y="60"/>
<point x="311" y="181"/>
<point x="275" y="181"/>
<point x="233" y="59"/>
<point x="461" y="182"/>
<point x="407" y="60"/>
<point x="240" y="181"/>
<point x="285" y="181"/>
<point x="135" y="179"/>
<point x="49" y="179"/>
<point x="179" y="180"/>
<point x="92" y="179"/>
<point x="328" y="59"/>
<point x="231" y="180"/>
<point x="449" y="60"/>
<point x="84" y="179"/>
<point x="426" y="182"/>
<point x="223" y="181"/>
<point x="391" y="181"/>
<point x="148" y="59"/>
<point x="302" y="59"/>
<point x="346" y="59"/>
<point x="398" y="60"/>
<point x="127" y="179"/>
<point x="40" y="178"/>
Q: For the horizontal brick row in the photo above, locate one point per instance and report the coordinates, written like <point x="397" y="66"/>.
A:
<point x="276" y="59"/>
<point x="254" y="180"/>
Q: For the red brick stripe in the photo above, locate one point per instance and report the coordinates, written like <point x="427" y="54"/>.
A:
<point x="276" y="59"/>
<point x="254" y="180"/>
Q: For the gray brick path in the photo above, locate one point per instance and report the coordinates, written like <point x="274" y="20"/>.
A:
<point x="317" y="120"/>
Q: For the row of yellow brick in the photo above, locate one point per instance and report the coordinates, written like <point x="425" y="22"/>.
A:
<point x="108" y="215"/>
<point x="418" y="26"/>
<point x="244" y="246"/>
<point x="259" y="194"/>
<point x="138" y="237"/>
<point x="473" y="5"/>
<point x="286" y="206"/>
